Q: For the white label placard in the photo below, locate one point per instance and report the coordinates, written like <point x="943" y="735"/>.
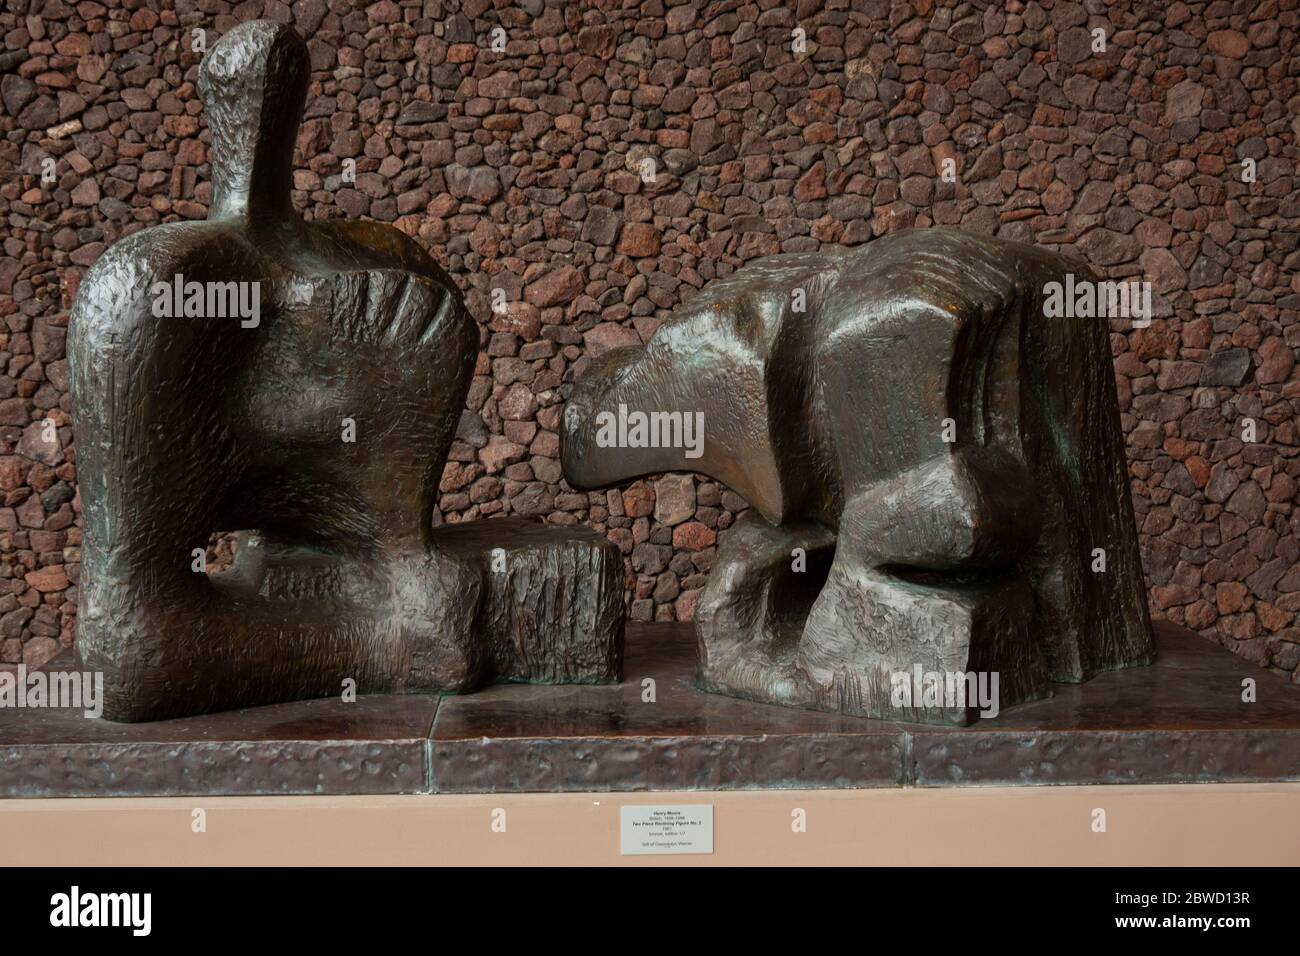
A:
<point x="680" y="829"/>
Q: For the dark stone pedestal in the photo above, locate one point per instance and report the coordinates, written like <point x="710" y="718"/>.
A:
<point x="1181" y="720"/>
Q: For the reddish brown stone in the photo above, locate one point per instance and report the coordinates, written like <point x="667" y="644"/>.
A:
<point x="638" y="501"/>
<point x="1229" y="43"/>
<point x="555" y="288"/>
<point x="812" y="184"/>
<point x="1276" y="361"/>
<point x="1198" y="469"/>
<point x="608" y="335"/>
<point x="639" y="239"/>
<point x="52" y="578"/>
<point x="693" y="536"/>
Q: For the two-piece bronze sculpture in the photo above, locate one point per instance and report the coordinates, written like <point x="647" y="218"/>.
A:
<point x="934" y="465"/>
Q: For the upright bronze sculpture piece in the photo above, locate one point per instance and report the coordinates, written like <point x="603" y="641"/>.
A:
<point x="301" y="383"/>
<point x="937" y="470"/>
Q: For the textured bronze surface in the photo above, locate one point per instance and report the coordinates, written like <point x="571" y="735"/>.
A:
<point x="319" y="424"/>
<point x="378" y="744"/>
<point x="610" y="738"/>
<point x="1181" y="720"/>
<point x="948" y="460"/>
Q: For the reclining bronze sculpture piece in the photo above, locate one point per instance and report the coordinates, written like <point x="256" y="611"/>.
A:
<point x="313" y="408"/>
<point x="937" y="470"/>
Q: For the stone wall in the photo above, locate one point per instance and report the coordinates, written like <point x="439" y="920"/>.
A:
<point x="522" y="170"/>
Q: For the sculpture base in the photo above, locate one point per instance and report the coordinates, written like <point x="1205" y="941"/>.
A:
<point x="1181" y="720"/>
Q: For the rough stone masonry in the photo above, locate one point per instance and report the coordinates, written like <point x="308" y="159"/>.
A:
<point x="511" y="139"/>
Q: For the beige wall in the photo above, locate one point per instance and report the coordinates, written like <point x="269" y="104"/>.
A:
<point x="1213" y="825"/>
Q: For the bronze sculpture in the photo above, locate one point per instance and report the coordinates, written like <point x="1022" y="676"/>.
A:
<point x="299" y="382"/>
<point x="937" y="470"/>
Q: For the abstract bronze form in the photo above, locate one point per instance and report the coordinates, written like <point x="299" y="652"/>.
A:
<point x="300" y="382"/>
<point x="937" y="470"/>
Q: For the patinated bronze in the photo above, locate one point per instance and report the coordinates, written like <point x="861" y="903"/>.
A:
<point x="936" y="471"/>
<point x="1181" y="721"/>
<point x="300" y="383"/>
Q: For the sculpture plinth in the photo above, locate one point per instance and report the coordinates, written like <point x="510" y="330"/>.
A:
<point x="937" y="468"/>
